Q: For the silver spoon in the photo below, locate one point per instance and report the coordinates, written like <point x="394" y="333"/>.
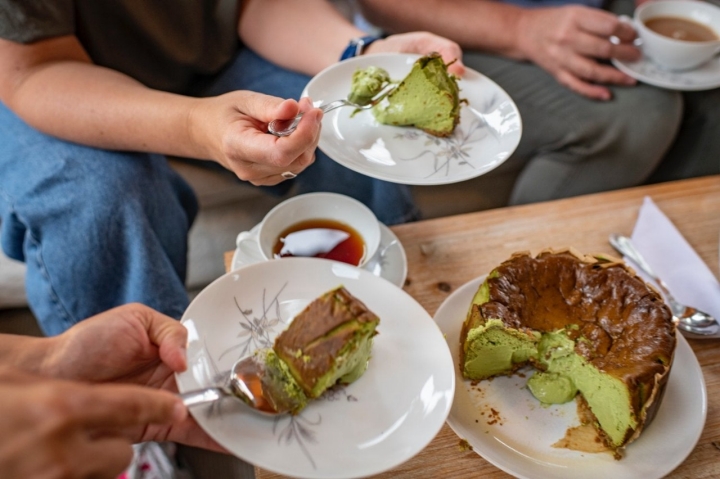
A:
<point x="689" y="319"/>
<point x="250" y="382"/>
<point x="285" y="127"/>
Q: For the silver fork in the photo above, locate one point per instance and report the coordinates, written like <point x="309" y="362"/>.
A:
<point x="285" y="127"/>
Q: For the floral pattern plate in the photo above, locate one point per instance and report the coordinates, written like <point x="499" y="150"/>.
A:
<point x="488" y="132"/>
<point x="384" y="418"/>
<point x="704" y="77"/>
<point x="506" y="425"/>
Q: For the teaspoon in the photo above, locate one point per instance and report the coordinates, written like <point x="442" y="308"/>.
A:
<point x="285" y="127"/>
<point x="250" y="382"/>
<point x="690" y="320"/>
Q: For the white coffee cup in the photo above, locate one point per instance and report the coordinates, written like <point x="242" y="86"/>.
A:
<point x="311" y="206"/>
<point x="674" y="54"/>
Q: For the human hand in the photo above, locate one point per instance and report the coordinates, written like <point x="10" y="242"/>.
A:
<point x="422" y="43"/>
<point x="55" y="428"/>
<point x="233" y="130"/>
<point x="128" y="344"/>
<point x="569" y="41"/>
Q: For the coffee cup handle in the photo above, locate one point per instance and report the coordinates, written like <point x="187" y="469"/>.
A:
<point x="630" y="21"/>
<point x="247" y="245"/>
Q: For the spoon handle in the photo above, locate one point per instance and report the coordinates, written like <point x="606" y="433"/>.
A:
<point x="202" y="396"/>
<point x="285" y="127"/>
<point x="625" y="246"/>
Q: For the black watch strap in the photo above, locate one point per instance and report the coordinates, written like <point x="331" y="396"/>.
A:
<point x="357" y="45"/>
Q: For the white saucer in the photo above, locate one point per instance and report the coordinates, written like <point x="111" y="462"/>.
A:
<point x="390" y="261"/>
<point x="705" y="77"/>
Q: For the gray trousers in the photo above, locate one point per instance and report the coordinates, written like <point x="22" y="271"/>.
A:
<point x="572" y="145"/>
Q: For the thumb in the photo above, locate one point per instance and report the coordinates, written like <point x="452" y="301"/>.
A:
<point x="170" y="337"/>
<point x="267" y="108"/>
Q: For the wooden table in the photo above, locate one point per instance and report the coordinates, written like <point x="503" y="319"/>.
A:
<point x="445" y="253"/>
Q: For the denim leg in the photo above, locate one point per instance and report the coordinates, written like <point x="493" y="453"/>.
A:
<point x="96" y="228"/>
<point x="392" y="203"/>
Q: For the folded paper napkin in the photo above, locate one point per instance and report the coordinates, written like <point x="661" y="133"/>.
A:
<point x="673" y="259"/>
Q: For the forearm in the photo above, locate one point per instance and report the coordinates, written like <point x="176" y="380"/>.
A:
<point x="483" y="25"/>
<point x="302" y="35"/>
<point x="95" y="106"/>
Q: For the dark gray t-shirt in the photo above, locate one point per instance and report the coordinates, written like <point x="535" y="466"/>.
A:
<point x="165" y="44"/>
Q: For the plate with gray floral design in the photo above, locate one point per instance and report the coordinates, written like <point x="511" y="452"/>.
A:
<point x="374" y="424"/>
<point x="488" y="132"/>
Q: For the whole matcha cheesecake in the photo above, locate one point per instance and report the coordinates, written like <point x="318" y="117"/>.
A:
<point x="591" y="327"/>
<point x="329" y="342"/>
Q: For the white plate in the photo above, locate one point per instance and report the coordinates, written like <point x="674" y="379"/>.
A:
<point x="488" y="133"/>
<point x="384" y="418"/>
<point x="705" y="77"/>
<point x="389" y="262"/>
<point x="520" y="441"/>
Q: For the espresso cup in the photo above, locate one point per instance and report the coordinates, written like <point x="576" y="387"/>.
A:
<point x="311" y="207"/>
<point x="671" y="53"/>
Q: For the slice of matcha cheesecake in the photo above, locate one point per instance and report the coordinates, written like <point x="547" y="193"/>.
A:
<point x="329" y="342"/>
<point x="427" y="98"/>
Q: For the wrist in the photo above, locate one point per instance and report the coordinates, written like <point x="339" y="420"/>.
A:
<point x="49" y="356"/>
<point x="357" y="46"/>
<point x="28" y="354"/>
<point x="195" y="130"/>
<point x="521" y="26"/>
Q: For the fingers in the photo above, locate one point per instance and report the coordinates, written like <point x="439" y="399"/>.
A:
<point x="272" y="155"/>
<point x="422" y="43"/>
<point x="604" y="24"/>
<point x="164" y="332"/>
<point x="71" y="429"/>
<point x="115" y="406"/>
<point x="597" y="47"/>
<point x="589" y="90"/>
<point x="106" y="457"/>
<point x="266" y="108"/>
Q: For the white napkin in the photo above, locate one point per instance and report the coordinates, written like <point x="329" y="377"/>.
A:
<point x="673" y="259"/>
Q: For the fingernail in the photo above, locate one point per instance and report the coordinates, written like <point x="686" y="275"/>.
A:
<point x="183" y="358"/>
<point x="179" y="412"/>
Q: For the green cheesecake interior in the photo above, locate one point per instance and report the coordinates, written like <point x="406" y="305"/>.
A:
<point x="329" y="342"/>
<point x="427" y="98"/>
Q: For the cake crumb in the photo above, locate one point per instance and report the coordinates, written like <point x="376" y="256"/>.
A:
<point x="465" y="446"/>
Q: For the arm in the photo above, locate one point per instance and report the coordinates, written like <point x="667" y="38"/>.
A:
<point x="569" y="50"/>
<point x="131" y="345"/>
<point x="310" y="35"/>
<point x="475" y="24"/>
<point x="54" y="428"/>
<point x="53" y="86"/>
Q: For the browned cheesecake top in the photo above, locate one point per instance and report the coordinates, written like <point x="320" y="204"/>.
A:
<point x="620" y="324"/>
<point x="318" y="334"/>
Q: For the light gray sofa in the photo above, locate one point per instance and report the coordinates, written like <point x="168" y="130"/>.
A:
<point x="228" y="206"/>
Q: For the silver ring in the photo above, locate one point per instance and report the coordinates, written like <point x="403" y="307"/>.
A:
<point x="288" y="175"/>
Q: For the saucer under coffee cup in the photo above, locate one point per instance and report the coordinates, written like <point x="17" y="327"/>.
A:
<point x="667" y="49"/>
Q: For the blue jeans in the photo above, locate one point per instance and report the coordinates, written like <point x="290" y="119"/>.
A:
<point x="102" y="228"/>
